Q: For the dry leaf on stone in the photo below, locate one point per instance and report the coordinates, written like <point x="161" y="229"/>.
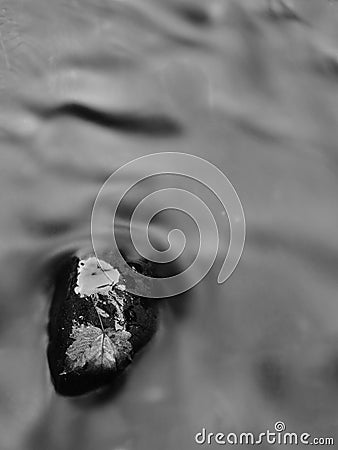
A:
<point x="91" y="345"/>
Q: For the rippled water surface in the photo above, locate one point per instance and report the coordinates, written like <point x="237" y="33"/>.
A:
<point x="86" y="86"/>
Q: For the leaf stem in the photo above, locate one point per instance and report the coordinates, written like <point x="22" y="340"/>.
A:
<point x="102" y="328"/>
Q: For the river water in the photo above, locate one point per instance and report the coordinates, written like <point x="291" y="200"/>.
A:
<point x="255" y="95"/>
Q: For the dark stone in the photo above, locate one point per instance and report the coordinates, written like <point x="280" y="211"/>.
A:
<point x="93" y="338"/>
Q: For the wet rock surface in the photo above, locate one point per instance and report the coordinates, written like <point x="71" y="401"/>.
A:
<point x="95" y="326"/>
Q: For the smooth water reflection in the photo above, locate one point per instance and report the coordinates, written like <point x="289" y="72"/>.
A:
<point x="82" y="83"/>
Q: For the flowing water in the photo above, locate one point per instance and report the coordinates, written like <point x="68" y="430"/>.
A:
<point x="86" y="86"/>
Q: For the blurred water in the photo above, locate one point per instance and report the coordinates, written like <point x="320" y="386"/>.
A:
<point x="256" y="96"/>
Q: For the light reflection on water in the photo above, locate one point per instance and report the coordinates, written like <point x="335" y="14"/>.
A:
<point x="252" y="95"/>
